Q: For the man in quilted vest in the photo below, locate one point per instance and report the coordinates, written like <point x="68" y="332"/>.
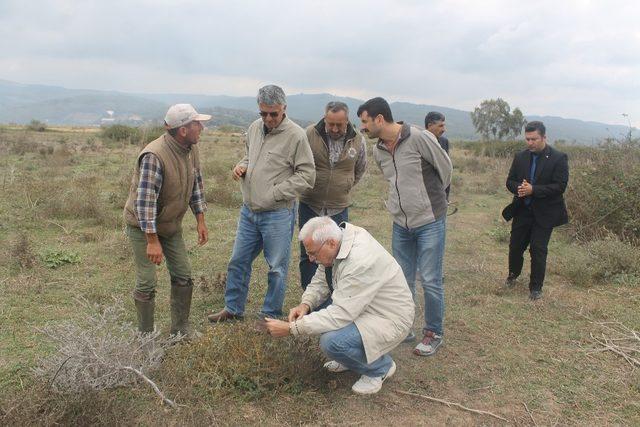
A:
<point x="339" y="153"/>
<point x="166" y="182"/>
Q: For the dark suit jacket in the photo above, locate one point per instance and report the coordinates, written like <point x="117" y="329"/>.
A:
<point x="552" y="175"/>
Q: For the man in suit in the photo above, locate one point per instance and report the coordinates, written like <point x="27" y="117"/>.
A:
<point x="537" y="178"/>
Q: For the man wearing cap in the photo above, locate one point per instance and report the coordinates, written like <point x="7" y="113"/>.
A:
<point x="339" y="153"/>
<point x="165" y="183"/>
<point x="277" y="167"/>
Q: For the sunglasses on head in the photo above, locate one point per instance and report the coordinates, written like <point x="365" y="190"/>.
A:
<point x="272" y="114"/>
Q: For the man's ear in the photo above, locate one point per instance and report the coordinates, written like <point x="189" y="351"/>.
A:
<point x="332" y="243"/>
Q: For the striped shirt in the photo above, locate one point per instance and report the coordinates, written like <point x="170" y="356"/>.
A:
<point x="149" y="187"/>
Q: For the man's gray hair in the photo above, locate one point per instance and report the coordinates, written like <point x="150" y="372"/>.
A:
<point x="271" y="95"/>
<point x="336" y="106"/>
<point x="321" y="229"/>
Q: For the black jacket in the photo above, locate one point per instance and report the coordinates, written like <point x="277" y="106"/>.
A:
<point x="552" y="175"/>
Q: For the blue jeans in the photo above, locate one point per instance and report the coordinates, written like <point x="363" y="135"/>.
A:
<point x="422" y="249"/>
<point x="345" y="346"/>
<point x="308" y="268"/>
<point x="271" y="231"/>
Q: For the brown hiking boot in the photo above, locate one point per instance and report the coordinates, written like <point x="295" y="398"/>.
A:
<point x="223" y="316"/>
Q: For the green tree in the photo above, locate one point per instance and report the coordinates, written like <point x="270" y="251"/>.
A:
<point x="37" y="126"/>
<point x="494" y="119"/>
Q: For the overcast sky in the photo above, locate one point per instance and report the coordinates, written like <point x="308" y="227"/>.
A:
<point x="575" y="59"/>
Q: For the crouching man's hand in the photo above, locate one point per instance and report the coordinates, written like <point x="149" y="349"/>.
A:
<point x="298" y="312"/>
<point x="277" y="328"/>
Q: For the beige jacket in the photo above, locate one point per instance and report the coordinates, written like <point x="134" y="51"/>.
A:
<point x="279" y="166"/>
<point x="369" y="290"/>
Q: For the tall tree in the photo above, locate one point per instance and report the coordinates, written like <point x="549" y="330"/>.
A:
<point x="493" y="119"/>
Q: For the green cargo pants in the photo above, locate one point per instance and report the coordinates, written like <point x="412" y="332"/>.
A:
<point x="175" y="255"/>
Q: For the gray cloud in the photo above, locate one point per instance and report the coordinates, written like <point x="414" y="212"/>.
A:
<point x="572" y="59"/>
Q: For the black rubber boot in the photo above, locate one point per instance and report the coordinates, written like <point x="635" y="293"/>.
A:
<point x="181" y="292"/>
<point x="145" y="306"/>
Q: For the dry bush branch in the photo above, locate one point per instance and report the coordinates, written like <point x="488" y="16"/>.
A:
<point x="101" y="352"/>
<point x="450" y="404"/>
<point x="619" y="339"/>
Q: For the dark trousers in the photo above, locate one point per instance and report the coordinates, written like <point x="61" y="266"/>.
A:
<point x="308" y="268"/>
<point x="526" y="232"/>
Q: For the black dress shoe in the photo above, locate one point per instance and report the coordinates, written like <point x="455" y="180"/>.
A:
<point x="511" y="281"/>
<point x="535" y="295"/>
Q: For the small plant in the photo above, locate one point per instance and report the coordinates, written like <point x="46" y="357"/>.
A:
<point x="55" y="259"/>
<point x="21" y="252"/>
<point x="500" y="234"/>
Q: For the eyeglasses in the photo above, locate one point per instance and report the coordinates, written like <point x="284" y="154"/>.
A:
<point x="272" y="114"/>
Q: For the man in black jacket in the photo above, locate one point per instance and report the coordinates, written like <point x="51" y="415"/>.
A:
<point x="537" y="178"/>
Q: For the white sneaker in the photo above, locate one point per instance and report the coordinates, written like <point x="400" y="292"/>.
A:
<point x="333" y="366"/>
<point x="371" y="385"/>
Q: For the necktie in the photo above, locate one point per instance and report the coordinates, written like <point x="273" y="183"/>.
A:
<point x="532" y="175"/>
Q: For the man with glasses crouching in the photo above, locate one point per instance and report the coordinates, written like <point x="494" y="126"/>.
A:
<point x="371" y="308"/>
<point x="277" y="167"/>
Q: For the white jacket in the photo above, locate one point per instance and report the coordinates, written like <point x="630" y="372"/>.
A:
<point x="369" y="290"/>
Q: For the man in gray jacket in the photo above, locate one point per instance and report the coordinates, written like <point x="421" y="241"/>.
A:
<point x="277" y="167"/>
<point x="418" y="171"/>
<point x="371" y="311"/>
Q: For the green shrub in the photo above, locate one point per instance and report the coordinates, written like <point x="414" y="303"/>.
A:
<point x="603" y="196"/>
<point x="601" y="261"/>
<point x="37" y="126"/>
<point x="495" y="148"/>
<point x="121" y="133"/>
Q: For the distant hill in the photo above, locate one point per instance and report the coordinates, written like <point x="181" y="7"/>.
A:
<point x="20" y="103"/>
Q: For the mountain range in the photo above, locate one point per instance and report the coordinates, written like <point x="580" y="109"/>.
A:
<point x="21" y="103"/>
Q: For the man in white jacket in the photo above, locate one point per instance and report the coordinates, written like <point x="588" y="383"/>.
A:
<point x="372" y="308"/>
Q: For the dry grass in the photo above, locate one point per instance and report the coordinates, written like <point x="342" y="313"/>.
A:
<point x="502" y="354"/>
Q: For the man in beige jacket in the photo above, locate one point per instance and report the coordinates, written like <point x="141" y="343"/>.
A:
<point x="372" y="308"/>
<point x="277" y="167"/>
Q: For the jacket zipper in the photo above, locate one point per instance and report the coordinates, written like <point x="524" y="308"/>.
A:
<point x="326" y="195"/>
<point x="393" y="159"/>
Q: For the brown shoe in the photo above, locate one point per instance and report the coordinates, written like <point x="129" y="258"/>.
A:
<point x="223" y="316"/>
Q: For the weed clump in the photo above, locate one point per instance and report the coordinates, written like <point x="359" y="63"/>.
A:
<point x="606" y="261"/>
<point x="81" y="198"/>
<point x="55" y="259"/>
<point x="21" y="252"/>
<point x="239" y="360"/>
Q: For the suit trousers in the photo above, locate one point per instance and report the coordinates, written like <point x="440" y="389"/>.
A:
<point x="525" y="231"/>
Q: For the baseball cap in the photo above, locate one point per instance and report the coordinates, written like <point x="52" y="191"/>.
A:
<point x="181" y="114"/>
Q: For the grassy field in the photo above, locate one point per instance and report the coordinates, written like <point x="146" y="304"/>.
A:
<point x="530" y="363"/>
